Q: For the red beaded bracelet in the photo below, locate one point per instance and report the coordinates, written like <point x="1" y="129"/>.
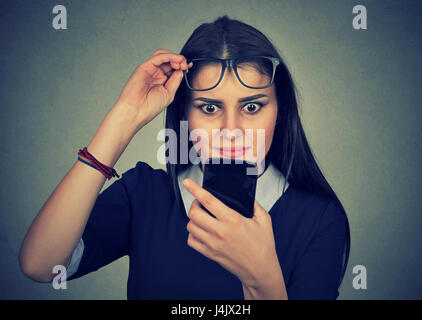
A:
<point x="87" y="158"/>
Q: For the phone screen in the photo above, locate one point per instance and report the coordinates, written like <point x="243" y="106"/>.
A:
<point x="230" y="183"/>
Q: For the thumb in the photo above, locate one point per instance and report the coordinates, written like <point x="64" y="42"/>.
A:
<point x="173" y="82"/>
<point x="260" y="214"/>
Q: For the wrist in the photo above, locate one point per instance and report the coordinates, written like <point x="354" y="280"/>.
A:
<point x="129" y="117"/>
<point x="269" y="284"/>
<point x="112" y="137"/>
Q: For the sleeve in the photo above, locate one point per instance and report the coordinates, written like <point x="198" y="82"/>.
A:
<point x="76" y="258"/>
<point x="106" y="234"/>
<point x="317" y="275"/>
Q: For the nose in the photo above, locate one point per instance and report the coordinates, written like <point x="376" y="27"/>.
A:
<point x="231" y="130"/>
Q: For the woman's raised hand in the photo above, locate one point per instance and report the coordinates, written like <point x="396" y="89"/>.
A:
<point x="152" y="86"/>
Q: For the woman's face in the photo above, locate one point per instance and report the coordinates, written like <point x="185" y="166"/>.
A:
<point x="227" y="106"/>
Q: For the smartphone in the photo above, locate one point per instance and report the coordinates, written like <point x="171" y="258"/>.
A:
<point x="230" y="182"/>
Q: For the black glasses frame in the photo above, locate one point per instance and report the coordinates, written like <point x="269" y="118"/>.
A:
<point x="231" y="63"/>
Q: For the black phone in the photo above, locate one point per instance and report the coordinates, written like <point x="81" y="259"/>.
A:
<point x="230" y="181"/>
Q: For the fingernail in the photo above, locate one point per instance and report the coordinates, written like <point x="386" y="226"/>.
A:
<point x="186" y="183"/>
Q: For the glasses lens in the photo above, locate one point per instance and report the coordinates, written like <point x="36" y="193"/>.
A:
<point x="204" y="74"/>
<point x="255" y="71"/>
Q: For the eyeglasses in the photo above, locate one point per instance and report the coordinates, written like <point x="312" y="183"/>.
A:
<point x="255" y="72"/>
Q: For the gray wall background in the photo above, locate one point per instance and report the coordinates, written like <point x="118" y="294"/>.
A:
<point x="359" y="102"/>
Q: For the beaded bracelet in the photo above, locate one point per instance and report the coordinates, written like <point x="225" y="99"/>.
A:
<point x="87" y="158"/>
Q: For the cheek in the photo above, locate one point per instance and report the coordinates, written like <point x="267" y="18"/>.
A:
<point x="269" y="133"/>
<point x="268" y="124"/>
<point x="197" y="120"/>
<point x="197" y="127"/>
<point x="194" y="122"/>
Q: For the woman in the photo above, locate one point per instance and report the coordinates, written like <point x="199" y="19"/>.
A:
<point x="295" y="247"/>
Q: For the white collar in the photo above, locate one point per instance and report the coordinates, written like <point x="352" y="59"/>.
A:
<point x="269" y="186"/>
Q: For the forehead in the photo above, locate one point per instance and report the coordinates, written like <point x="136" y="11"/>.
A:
<point x="232" y="90"/>
<point x="206" y="73"/>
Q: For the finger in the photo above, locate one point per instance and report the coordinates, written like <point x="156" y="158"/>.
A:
<point x="214" y="205"/>
<point x="260" y="214"/>
<point x="198" y="245"/>
<point x="161" y="61"/>
<point x="168" y="63"/>
<point x="165" y="67"/>
<point x="161" y="50"/>
<point x="173" y="82"/>
<point x="169" y="68"/>
<point x="183" y="65"/>
<point x="164" y="57"/>
<point x="203" y="219"/>
<point x="199" y="233"/>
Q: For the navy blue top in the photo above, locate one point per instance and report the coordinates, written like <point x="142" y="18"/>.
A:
<point x="138" y="216"/>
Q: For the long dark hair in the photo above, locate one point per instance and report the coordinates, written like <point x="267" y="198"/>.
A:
<point x="289" y="151"/>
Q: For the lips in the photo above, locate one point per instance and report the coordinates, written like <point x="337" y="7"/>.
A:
<point x="233" y="149"/>
<point x="232" y="152"/>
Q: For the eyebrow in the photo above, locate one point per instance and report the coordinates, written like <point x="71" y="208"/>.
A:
<point x="256" y="96"/>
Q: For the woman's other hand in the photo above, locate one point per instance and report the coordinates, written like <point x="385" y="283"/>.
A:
<point x="152" y="86"/>
<point x="243" y="246"/>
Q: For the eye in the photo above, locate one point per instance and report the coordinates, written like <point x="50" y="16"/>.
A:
<point x="207" y="108"/>
<point x="252" y="107"/>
